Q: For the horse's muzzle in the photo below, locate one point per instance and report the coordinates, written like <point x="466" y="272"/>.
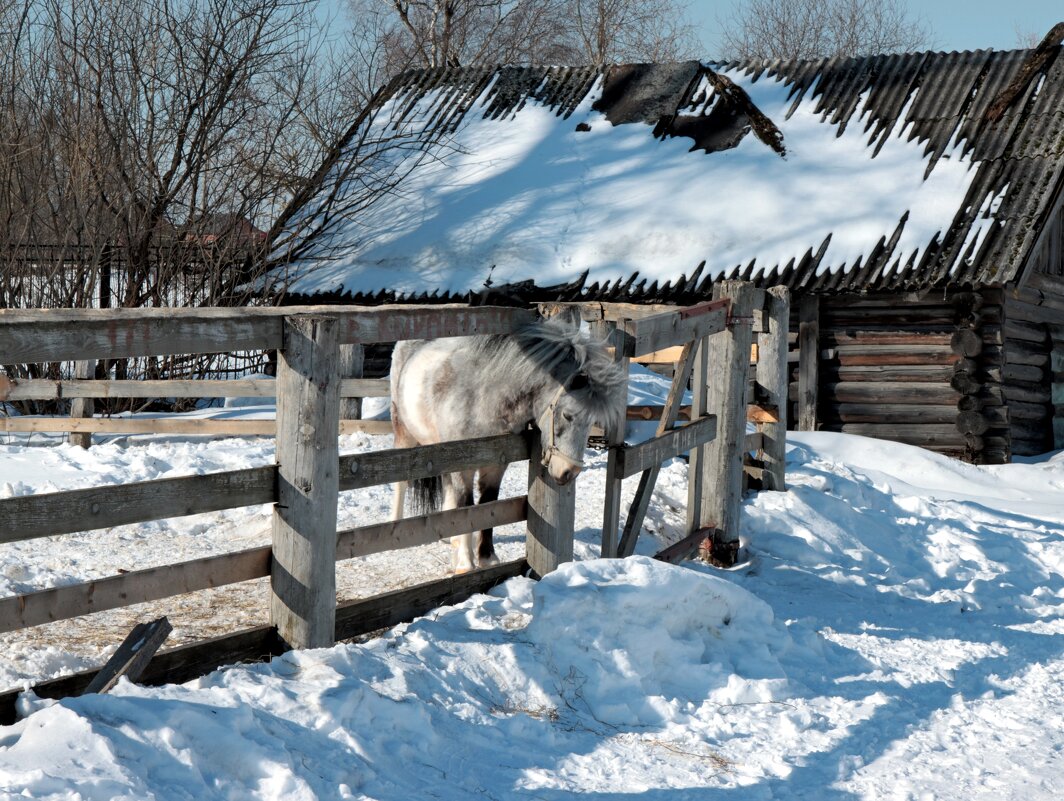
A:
<point x="563" y="470"/>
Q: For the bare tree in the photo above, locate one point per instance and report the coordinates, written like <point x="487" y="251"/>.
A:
<point x="797" y="29"/>
<point x="618" y="31"/>
<point x="389" y="36"/>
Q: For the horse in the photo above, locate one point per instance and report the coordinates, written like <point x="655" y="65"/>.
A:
<point x="549" y="374"/>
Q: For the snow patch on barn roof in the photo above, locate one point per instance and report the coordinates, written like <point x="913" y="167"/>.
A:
<point x="544" y="192"/>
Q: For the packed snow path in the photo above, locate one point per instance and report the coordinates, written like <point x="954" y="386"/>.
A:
<point x="896" y="632"/>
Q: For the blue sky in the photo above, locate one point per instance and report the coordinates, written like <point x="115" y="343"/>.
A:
<point x="957" y="24"/>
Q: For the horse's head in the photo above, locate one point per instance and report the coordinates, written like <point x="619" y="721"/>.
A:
<point x="593" y="395"/>
<point x="564" y="426"/>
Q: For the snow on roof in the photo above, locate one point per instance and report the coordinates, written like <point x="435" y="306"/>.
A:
<point x="890" y="176"/>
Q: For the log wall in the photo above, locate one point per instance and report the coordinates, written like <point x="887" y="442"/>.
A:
<point x="975" y="374"/>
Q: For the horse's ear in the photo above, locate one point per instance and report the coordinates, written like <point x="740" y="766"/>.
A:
<point x="580" y="381"/>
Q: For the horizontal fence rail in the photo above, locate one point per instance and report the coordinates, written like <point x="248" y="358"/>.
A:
<point x="153" y="584"/>
<point x="170" y="425"/>
<point x="41" y="389"/>
<point x="55" y="335"/>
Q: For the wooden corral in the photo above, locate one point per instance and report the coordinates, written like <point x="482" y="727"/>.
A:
<point x="304" y="483"/>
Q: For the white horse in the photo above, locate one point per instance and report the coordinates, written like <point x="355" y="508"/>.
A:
<point x="549" y="373"/>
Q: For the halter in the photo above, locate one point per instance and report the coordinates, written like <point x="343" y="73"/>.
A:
<point x="552" y="407"/>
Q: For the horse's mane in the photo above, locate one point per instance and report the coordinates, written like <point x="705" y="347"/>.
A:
<point x="559" y="349"/>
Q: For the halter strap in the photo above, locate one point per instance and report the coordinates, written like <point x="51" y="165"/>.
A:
<point x="552" y="449"/>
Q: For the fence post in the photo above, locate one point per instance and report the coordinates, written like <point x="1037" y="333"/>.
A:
<point x="303" y="576"/>
<point x="808" y="360"/>
<point x="351" y="360"/>
<point x="551" y="516"/>
<point x="83" y="407"/>
<point x="611" y="510"/>
<point x="729" y="362"/>
<point x="772" y="375"/>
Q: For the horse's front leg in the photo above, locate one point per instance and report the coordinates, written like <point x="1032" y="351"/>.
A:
<point x="488" y="482"/>
<point x="399" y="500"/>
<point x="458" y="491"/>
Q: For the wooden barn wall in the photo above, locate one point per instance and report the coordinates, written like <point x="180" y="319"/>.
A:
<point x="919" y="369"/>
<point x="1037" y="310"/>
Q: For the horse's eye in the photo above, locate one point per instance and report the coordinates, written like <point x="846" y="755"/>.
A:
<point x="567" y="417"/>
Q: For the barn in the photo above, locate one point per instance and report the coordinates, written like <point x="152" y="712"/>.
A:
<point x="911" y="202"/>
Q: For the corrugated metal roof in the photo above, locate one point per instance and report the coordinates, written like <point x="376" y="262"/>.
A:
<point x="1020" y="158"/>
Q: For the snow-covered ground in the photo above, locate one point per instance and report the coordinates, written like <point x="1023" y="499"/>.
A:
<point x="895" y="631"/>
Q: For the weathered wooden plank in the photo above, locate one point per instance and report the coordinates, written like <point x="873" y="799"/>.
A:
<point x="353" y="618"/>
<point x="889" y="413"/>
<point x="666" y="356"/>
<point x="83" y="407"/>
<point x="678" y="551"/>
<point x="931" y="394"/>
<point x="29" y="516"/>
<point x="169" y="667"/>
<point x="46" y="335"/>
<point x="634" y="459"/>
<point x="667" y="329"/>
<point x="888" y="373"/>
<point x="611" y="504"/>
<point x="551" y="518"/>
<point x="426" y="529"/>
<point x="912" y="433"/>
<point x="303" y="570"/>
<point x="40" y="389"/>
<point x="633" y="524"/>
<point x="132" y="656"/>
<point x="754" y="441"/>
<point x="808" y="361"/>
<point x="729" y="363"/>
<point x="696" y="471"/>
<point x="772" y="374"/>
<point x="114" y="592"/>
<point x="170" y="425"/>
<point x="352" y="357"/>
<point x="406" y="464"/>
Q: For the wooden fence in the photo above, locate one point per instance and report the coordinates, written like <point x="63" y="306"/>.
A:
<point x="309" y="472"/>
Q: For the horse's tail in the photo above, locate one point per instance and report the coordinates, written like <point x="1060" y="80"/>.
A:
<point x="426" y="494"/>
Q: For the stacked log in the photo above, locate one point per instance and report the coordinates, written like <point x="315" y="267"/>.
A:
<point x="982" y="416"/>
<point x="886" y="367"/>
<point x="1034" y="322"/>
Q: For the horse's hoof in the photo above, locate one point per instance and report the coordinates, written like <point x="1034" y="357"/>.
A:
<point x="458" y="571"/>
<point x="488" y="561"/>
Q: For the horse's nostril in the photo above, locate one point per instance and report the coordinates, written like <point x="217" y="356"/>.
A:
<point x="566" y="476"/>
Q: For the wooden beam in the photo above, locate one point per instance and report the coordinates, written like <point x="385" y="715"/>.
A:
<point x="664" y="330"/>
<point x="551" y="518"/>
<point x="352" y="358"/>
<point x="29" y="516"/>
<point x="699" y="540"/>
<point x="303" y="571"/>
<point x="83" y="407"/>
<point x="634" y="459"/>
<point x="773" y="374"/>
<point x="47" y="335"/>
<point x="114" y="592"/>
<point x="406" y="464"/>
<point x="426" y="529"/>
<point x="353" y="618"/>
<point x="611" y="505"/>
<point x="808" y="361"/>
<point x="151" y="584"/>
<point x="40" y="389"/>
<point x="170" y="425"/>
<point x="641" y="502"/>
<point x="729" y="364"/>
<point x="132" y="656"/>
